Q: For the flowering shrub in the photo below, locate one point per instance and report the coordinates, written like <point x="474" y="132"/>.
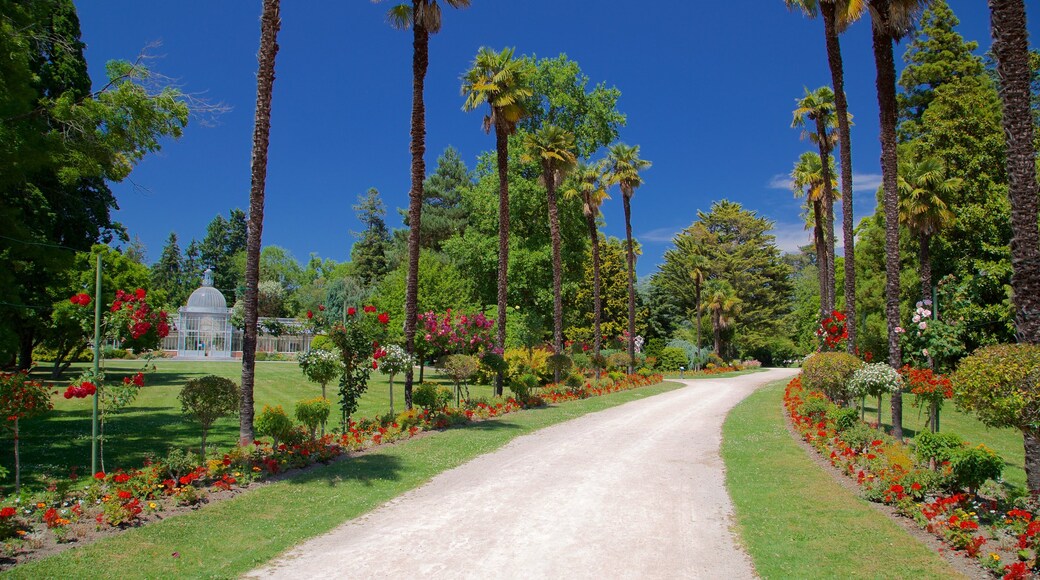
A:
<point x="321" y="366"/>
<point x="21" y="398"/>
<point x="358" y="341"/>
<point x="874" y="380"/>
<point x="396" y="361"/>
<point x="438" y="335"/>
<point x="313" y="413"/>
<point x="833" y="332"/>
<point x="829" y="373"/>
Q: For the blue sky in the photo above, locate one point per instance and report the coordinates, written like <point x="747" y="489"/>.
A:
<point x="708" y="88"/>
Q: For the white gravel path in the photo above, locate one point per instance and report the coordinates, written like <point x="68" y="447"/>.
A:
<point x="635" y="491"/>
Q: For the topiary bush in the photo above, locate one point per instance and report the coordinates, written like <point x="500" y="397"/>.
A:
<point x="1000" y="384"/>
<point x="671" y="358"/>
<point x="618" y="360"/>
<point x="873" y="380"/>
<point x="430" y="397"/>
<point x="844" y="418"/>
<point x="322" y="342"/>
<point x="274" y="423"/>
<point x="829" y="373"/>
<point x="938" y="446"/>
<point x="313" y="413"/>
<point x="522" y="386"/>
<point x="558" y="365"/>
<point x="207" y="399"/>
<point x="972" y="466"/>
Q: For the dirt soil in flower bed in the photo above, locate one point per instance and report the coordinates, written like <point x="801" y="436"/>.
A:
<point x="965" y="565"/>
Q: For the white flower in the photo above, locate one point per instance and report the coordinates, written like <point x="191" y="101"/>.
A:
<point x="924" y="351"/>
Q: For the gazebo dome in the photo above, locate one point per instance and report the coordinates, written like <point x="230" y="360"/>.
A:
<point x="206" y="298"/>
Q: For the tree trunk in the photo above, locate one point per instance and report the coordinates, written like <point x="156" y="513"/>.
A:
<point x="270" y="22"/>
<point x="886" y="90"/>
<point x="631" y="285"/>
<point x="420" y="60"/>
<point x="25" y="348"/>
<point x="554" y="234"/>
<point x="716" y="327"/>
<point x="1031" y="441"/>
<point x="204" y="433"/>
<point x="828" y="212"/>
<point x="841" y="108"/>
<point x="925" y="256"/>
<point x="17" y="461"/>
<point x="821" y="256"/>
<point x="502" y="148"/>
<point x="597" y="302"/>
<point x="1011" y="47"/>
<point x="697" y="290"/>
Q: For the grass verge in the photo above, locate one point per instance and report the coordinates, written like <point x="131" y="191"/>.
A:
<point x="795" y="520"/>
<point x="231" y="537"/>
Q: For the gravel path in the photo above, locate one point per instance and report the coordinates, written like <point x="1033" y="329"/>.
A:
<point x="635" y="491"/>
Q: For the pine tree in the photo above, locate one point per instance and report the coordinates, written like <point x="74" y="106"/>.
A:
<point x="369" y="253"/>
<point x="443" y="214"/>
<point x="167" y="274"/>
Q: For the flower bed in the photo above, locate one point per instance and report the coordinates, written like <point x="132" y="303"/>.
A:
<point x="1001" y="536"/>
<point x="126" y="498"/>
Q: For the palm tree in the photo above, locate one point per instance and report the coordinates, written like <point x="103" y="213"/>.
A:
<point x="424" y="18"/>
<point x="891" y="20"/>
<point x="553" y="149"/>
<point x="923" y="209"/>
<point x="724" y="305"/>
<point x="589" y="185"/>
<point x="694" y="267"/>
<point x="1011" y="47"/>
<point x="503" y="83"/>
<point x="817" y="108"/>
<point x="270" y="22"/>
<point x="837" y="16"/>
<point x="807" y="178"/>
<point x="624" y="167"/>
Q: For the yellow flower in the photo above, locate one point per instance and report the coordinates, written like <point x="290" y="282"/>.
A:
<point x="996" y="558"/>
<point x="151" y="505"/>
<point x="237" y="474"/>
<point x="255" y="468"/>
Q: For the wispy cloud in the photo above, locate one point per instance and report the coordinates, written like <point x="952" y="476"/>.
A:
<point x="791" y="236"/>
<point x="658" y="235"/>
<point x="780" y="181"/>
<point x="866" y="181"/>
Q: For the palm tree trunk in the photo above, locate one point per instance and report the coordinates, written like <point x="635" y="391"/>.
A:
<point x="420" y="60"/>
<point x="270" y="22"/>
<point x="821" y="256"/>
<point x="502" y="148"/>
<point x="716" y="327"/>
<point x="828" y="211"/>
<point x="1011" y="46"/>
<point x="1031" y="443"/>
<point x="554" y="233"/>
<point x="697" y="290"/>
<point x="841" y="107"/>
<point x="631" y="285"/>
<point x="597" y="302"/>
<point x="926" y="267"/>
<point x="886" y="90"/>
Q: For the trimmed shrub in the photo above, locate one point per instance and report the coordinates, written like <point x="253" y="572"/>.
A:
<point x="558" y="363"/>
<point x="313" y="413"/>
<point x="430" y="397"/>
<point x="322" y="342"/>
<point x="972" y="466"/>
<point x="844" y="418"/>
<point x="523" y="385"/>
<point x="672" y="358"/>
<point x="829" y="373"/>
<point x="618" y="360"/>
<point x="207" y="399"/>
<point x="941" y="446"/>
<point x="274" y="423"/>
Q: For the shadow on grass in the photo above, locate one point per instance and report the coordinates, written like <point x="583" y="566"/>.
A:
<point x="365" y="469"/>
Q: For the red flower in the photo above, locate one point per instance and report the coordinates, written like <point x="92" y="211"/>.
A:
<point x="140" y="293"/>
<point x="125" y="495"/>
<point x="915" y="486"/>
<point x="100" y="476"/>
<point x="384" y="318"/>
<point x="121" y="478"/>
<point x="351" y="311"/>
<point x="370" y="309"/>
<point x="310" y="314"/>
<point x="7" y="512"/>
<point x="321" y="308"/>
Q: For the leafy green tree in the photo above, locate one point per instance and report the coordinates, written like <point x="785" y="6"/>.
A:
<point x="808" y="178"/>
<point x="924" y="208"/>
<point x="553" y="149"/>
<point x="613" y="295"/>
<point x="503" y="83"/>
<point x="278" y="265"/>
<point x="837" y="16"/>
<point x="270" y="23"/>
<point x="217" y="253"/>
<point x="686" y="269"/>
<point x="589" y="184"/>
<point x="1011" y="47"/>
<point x="561" y="97"/>
<point x="625" y="168"/>
<point x="369" y="253"/>
<point x="207" y="399"/>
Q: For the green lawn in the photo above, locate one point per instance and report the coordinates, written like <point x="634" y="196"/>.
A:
<point x="231" y="537"/>
<point x="795" y="520"/>
<point x="52" y="444"/>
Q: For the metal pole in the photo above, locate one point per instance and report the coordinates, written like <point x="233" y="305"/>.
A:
<point x="97" y="367"/>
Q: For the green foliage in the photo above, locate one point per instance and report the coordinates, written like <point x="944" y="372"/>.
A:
<point x="859" y="436"/>
<point x="671" y="358"/>
<point x="873" y="379"/>
<point x="522" y="385"/>
<point x="443" y="214"/>
<point x="313" y="413"/>
<point x="558" y="363"/>
<point x="940" y="446"/>
<point x="222" y="250"/>
<point x="972" y="466"/>
<point x="207" y="399"/>
<point x="1001" y="385"/>
<point x="618" y="360"/>
<point x="844" y="418"/>
<point x="274" y="423"/>
<point x="322" y="342"/>
<point x="369" y="253"/>
<point x="321" y="366"/>
<point x="522" y="361"/>
<point x="829" y="373"/>
<point x="815" y="407"/>
<point x="431" y="397"/>
<point x="460" y="367"/>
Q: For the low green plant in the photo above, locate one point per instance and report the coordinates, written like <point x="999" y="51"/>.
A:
<point x="618" y="360"/>
<point x="430" y="397"/>
<point x="859" y="436"/>
<point x="179" y="462"/>
<point x="939" y="447"/>
<point x="313" y="413"/>
<point x="829" y="373"/>
<point x="558" y="365"/>
<point x="972" y="466"/>
<point x="815" y="407"/>
<point x="522" y="386"/>
<point x="274" y="423"/>
<point x="207" y="399"/>
<point x="844" y="418"/>
<point x="671" y="358"/>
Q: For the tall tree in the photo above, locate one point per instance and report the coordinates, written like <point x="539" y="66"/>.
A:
<point x="589" y="185"/>
<point x="891" y="20"/>
<point x="553" y="149"/>
<point x="168" y="272"/>
<point x="687" y="264"/>
<point x="808" y="178"/>
<point x="443" y="213"/>
<point x="924" y="207"/>
<point x="369" y="253"/>
<point x="723" y="304"/>
<point x="625" y="168"/>
<point x="424" y="17"/>
<point x="502" y="82"/>
<point x="1011" y="48"/>
<point x="837" y="16"/>
<point x="817" y="108"/>
<point x="270" y="23"/>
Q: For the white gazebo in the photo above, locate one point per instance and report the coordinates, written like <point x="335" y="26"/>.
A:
<point x="204" y="325"/>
